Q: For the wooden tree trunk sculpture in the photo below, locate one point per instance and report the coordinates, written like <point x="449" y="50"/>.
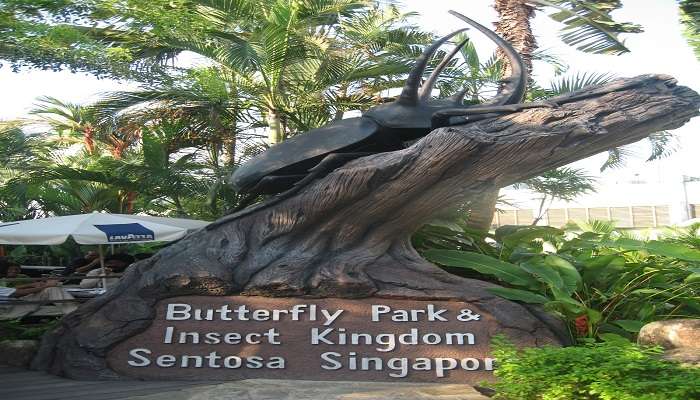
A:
<point x="347" y="235"/>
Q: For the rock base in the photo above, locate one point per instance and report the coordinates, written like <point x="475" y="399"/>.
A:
<point x="679" y="337"/>
<point x="672" y="333"/>
<point x="18" y="353"/>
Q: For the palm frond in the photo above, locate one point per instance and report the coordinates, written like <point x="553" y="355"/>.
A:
<point x="663" y="144"/>
<point x="616" y="158"/>
<point x="545" y="55"/>
<point x="690" y="18"/>
<point x="589" y="26"/>
<point x="573" y="82"/>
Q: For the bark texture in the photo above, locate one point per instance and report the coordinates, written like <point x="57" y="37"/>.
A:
<point x="348" y="234"/>
<point x="513" y="25"/>
<point x="482" y="209"/>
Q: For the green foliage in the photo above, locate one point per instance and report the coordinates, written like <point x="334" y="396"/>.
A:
<point x="159" y="174"/>
<point x="169" y="147"/>
<point x="16" y="330"/>
<point x="612" y="370"/>
<point x="304" y="62"/>
<point x="562" y="183"/>
<point x="449" y="235"/>
<point x="599" y="280"/>
<point x="590" y="26"/>
<point x="662" y="144"/>
<point x="690" y="18"/>
<point x="688" y="236"/>
<point x="573" y="82"/>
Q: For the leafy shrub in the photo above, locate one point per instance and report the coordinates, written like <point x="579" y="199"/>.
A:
<point x="601" y="280"/>
<point x="613" y="370"/>
<point x="17" y="330"/>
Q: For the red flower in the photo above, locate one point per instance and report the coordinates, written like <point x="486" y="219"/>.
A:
<point x="581" y="324"/>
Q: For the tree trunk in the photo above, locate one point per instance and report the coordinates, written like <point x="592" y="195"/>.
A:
<point x="275" y="133"/>
<point x="482" y="210"/>
<point x="514" y="26"/>
<point x="225" y="137"/>
<point x="229" y="150"/>
<point x="348" y="234"/>
<point x="89" y="138"/>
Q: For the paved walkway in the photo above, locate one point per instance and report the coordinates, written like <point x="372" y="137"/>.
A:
<point x="18" y="384"/>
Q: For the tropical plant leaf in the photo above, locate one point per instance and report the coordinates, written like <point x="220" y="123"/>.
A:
<point x="629" y="325"/>
<point x="660" y="248"/>
<point x="569" y="274"/>
<point x="599" y="269"/>
<point x="616" y="158"/>
<point x="484" y="264"/>
<point x="519" y="295"/>
<point x="544" y="273"/>
<point x="525" y="234"/>
<point x="613" y="338"/>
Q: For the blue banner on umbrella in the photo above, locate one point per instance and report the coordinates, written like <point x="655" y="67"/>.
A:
<point x="126" y="232"/>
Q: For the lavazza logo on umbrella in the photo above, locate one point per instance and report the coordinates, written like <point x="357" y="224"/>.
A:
<point x="126" y="232"/>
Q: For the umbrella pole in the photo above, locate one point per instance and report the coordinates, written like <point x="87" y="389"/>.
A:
<point x="102" y="266"/>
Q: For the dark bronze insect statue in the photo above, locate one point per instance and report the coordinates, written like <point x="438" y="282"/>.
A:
<point x="288" y="166"/>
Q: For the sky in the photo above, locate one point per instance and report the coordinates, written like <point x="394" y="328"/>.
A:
<point x="660" y="49"/>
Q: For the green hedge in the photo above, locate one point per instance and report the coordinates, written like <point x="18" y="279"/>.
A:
<point x="613" y="370"/>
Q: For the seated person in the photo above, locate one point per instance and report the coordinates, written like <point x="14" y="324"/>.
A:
<point x="44" y="291"/>
<point x="12" y="270"/>
<point x="83" y="264"/>
<point x="114" y="264"/>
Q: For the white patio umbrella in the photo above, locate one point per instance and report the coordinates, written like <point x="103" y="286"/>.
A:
<point x="97" y="228"/>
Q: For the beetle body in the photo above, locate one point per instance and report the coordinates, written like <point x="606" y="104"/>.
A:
<point x="290" y="160"/>
<point x="303" y="152"/>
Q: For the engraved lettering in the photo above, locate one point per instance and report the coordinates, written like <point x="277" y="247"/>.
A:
<point x="443" y="364"/>
<point x="178" y="312"/>
<point x="334" y="364"/>
<point x="141" y="360"/>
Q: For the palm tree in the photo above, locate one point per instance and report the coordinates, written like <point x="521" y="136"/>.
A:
<point x="207" y="102"/>
<point x="348" y="60"/>
<point x="69" y="121"/>
<point x="74" y="123"/>
<point x="513" y="25"/>
<point x="297" y="63"/>
<point x="588" y="26"/>
<point x="690" y="17"/>
<point x="562" y="183"/>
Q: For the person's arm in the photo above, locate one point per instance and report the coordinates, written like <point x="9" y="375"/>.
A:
<point x="89" y="266"/>
<point x="29" y="285"/>
<point x="32" y="288"/>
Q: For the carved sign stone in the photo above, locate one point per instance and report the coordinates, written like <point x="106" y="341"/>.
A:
<point x="374" y="339"/>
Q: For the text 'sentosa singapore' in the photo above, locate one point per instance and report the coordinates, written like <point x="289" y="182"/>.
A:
<point x="356" y="350"/>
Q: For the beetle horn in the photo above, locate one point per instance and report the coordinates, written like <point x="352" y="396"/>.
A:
<point x="514" y="89"/>
<point x="409" y="94"/>
<point x="427" y="88"/>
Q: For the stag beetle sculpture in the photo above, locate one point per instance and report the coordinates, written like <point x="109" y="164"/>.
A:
<point x="288" y="166"/>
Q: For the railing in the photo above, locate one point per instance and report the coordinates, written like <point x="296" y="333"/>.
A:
<point x="624" y="217"/>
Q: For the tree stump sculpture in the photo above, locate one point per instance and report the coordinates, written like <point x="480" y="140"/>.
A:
<point x="347" y="235"/>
